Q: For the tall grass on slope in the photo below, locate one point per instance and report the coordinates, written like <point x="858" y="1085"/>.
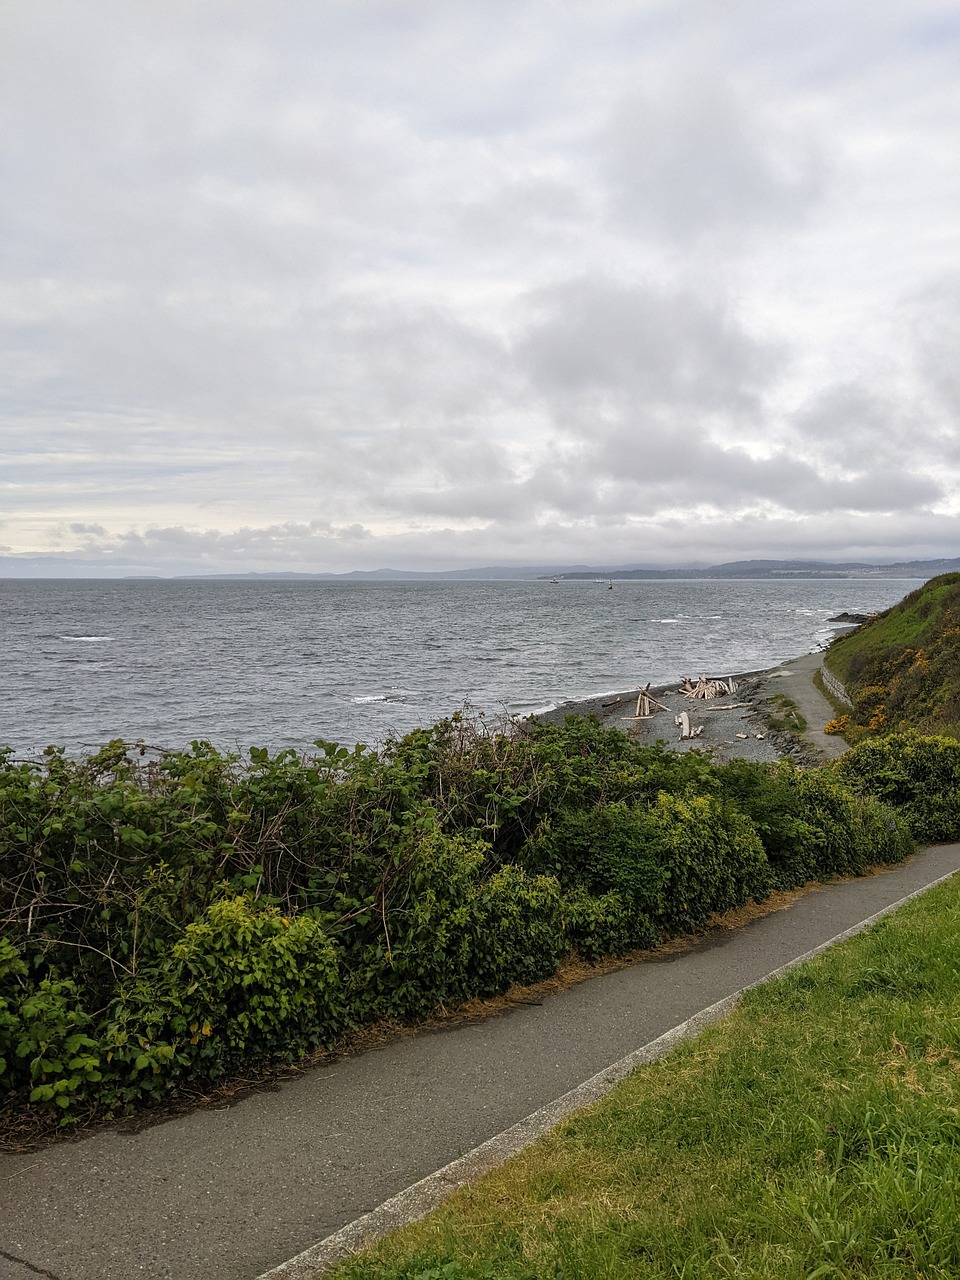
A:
<point x="814" y="1133"/>
<point x="902" y="669"/>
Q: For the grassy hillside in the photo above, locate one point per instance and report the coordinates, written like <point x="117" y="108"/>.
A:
<point x="902" y="669"/>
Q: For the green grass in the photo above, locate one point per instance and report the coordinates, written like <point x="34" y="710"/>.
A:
<point x="909" y="624"/>
<point x="785" y="715"/>
<point x="902" y="669"/>
<point x="812" y="1135"/>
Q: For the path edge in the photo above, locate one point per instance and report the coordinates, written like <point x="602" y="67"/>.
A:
<point x="422" y="1197"/>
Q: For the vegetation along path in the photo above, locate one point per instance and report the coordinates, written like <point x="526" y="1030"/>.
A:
<point x="235" y="1191"/>
<point x="227" y="1194"/>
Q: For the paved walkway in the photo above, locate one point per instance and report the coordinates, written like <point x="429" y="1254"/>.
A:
<point x="228" y="1194"/>
<point x="794" y="678"/>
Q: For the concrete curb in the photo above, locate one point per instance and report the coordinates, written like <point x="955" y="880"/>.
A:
<point x="422" y="1197"/>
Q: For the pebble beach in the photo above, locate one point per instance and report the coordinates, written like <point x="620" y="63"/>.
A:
<point x="734" y="726"/>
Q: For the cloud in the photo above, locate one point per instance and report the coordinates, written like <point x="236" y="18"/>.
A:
<point x="701" y="159"/>
<point x="486" y="281"/>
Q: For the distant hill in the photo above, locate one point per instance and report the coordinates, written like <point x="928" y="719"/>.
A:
<point x="489" y="573"/>
<point x="902" y="668"/>
<point x="782" y="569"/>
<point x="580" y="572"/>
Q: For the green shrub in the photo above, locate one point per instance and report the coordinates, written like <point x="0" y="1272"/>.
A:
<point x="143" y="1055"/>
<point x="603" y="924"/>
<point x="812" y="825"/>
<point x="426" y="952"/>
<point x="917" y="774"/>
<point x="44" y="1047"/>
<point x="221" y="912"/>
<point x="12" y="974"/>
<point x="264" y="985"/>
<point x="521" y="922"/>
<point x="712" y="857"/>
<point x="243" y="985"/>
<point x="884" y="832"/>
<point x="602" y="851"/>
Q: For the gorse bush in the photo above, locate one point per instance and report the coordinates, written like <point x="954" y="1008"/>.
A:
<point x="919" y="775"/>
<point x="902" y="668"/>
<point x="193" y="915"/>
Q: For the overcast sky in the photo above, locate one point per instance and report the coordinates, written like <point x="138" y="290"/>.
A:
<point x="337" y="284"/>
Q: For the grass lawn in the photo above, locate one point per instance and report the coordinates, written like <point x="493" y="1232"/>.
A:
<point x="815" y="1133"/>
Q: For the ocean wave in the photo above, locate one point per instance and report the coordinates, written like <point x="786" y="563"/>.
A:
<point x="88" y="639"/>
<point x="396" y="695"/>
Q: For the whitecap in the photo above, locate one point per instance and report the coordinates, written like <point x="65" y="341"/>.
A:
<point x="89" y="639"/>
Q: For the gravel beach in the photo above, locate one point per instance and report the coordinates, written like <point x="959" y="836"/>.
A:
<point x="735" y="726"/>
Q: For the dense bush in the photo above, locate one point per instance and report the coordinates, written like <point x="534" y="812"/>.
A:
<point x="189" y="915"/>
<point x="607" y="851"/>
<point x="712" y="858"/>
<point x="810" y="824"/>
<point x="919" y="775"/>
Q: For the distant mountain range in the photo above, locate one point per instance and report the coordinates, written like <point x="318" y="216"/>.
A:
<point x="572" y="573"/>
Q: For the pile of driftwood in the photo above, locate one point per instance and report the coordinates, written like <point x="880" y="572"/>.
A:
<point x="646" y="703"/>
<point x="707" y="689"/>
<point x="704" y="689"/>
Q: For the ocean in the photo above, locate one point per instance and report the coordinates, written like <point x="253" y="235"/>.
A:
<point x="282" y="663"/>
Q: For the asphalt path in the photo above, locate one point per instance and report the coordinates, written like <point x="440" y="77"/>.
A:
<point x="228" y="1194"/>
<point x="794" y="679"/>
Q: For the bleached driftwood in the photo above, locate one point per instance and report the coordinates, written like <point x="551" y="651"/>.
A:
<point x="682" y="721"/>
<point x="647" y="705"/>
<point x="707" y="689"/>
<point x="646" y="701"/>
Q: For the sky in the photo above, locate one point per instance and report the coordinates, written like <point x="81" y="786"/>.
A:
<point x="324" y="285"/>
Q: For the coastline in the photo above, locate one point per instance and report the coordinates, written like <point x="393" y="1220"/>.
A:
<point x="733" y="726"/>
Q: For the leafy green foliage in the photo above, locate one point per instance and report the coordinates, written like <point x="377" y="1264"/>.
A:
<point x="917" y="774"/>
<point x="606" y="851"/>
<point x="812" y="826"/>
<point x="523" y="928"/>
<point x="712" y="857"/>
<point x="44" y="1048"/>
<point x="181" y="916"/>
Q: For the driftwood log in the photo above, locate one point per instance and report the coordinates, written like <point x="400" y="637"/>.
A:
<point x="646" y="701"/>
<point x="682" y="721"/>
<point x="707" y="689"/>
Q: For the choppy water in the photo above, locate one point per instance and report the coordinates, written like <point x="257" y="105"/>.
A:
<point x="261" y="663"/>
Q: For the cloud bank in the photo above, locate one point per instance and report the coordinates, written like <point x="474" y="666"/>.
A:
<point x="335" y="287"/>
